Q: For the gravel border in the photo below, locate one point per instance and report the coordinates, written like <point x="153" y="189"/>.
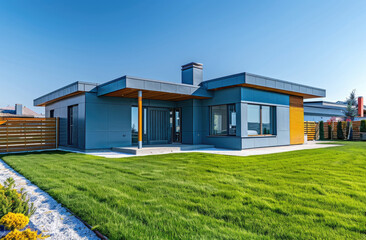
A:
<point x="50" y="217"/>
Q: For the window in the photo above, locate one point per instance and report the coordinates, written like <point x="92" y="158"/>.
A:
<point x="223" y="120"/>
<point x="52" y="113"/>
<point x="72" y="122"/>
<point x="261" y="120"/>
<point x="134" y="125"/>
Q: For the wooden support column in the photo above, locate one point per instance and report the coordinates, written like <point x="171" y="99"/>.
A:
<point x="140" y="119"/>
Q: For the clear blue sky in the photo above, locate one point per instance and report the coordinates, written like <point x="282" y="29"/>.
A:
<point x="45" y="45"/>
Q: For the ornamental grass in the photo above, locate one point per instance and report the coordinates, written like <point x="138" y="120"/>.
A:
<point x="13" y="201"/>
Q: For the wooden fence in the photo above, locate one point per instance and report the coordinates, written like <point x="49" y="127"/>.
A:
<point x="310" y="130"/>
<point x="330" y="130"/>
<point x="27" y="134"/>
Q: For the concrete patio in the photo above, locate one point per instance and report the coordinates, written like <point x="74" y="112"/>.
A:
<point x="155" y="150"/>
<point x="160" y="149"/>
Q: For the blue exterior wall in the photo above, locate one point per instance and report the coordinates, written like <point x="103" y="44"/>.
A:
<point x="224" y="96"/>
<point x="105" y="122"/>
<point x="255" y="95"/>
<point x="321" y="113"/>
<point x="192" y="121"/>
<point x="192" y="76"/>
<point x="241" y="97"/>
<point x="60" y="111"/>
<point x="108" y="120"/>
<point x="278" y="100"/>
<point x="316" y="118"/>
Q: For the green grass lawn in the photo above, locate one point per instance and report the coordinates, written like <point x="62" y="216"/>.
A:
<point x="310" y="194"/>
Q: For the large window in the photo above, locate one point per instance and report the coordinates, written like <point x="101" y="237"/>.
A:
<point x="261" y="120"/>
<point x="223" y="120"/>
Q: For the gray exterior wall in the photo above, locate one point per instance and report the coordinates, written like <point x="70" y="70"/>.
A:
<point x="278" y="100"/>
<point x="321" y="113"/>
<point x="108" y="120"/>
<point x="282" y="126"/>
<point x="105" y="122"/>
<point x="60" y="111"/>
<point x="224" y="96"/>
<point x="192" y="117"/>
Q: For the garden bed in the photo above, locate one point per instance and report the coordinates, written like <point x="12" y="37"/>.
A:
<point x="49" y="217"/>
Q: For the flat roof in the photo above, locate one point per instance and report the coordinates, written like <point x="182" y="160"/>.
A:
<point x="65" y="92"/>
<point x="326" y="104"/>
<point x="265" y="83"/>
<point x="128" y="86"/>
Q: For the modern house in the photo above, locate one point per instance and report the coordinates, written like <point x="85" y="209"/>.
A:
<point x="323" y="111"/>
<point x="18" y="111"/>
<point x="239" y="111"/>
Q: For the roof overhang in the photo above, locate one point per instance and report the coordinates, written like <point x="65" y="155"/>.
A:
<point x="264" y="83"/>
<point x="70" y="90"/>
<point x="128" y="87"/>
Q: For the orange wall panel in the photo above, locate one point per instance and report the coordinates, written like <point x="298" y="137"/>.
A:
<point x="296" y="120"/>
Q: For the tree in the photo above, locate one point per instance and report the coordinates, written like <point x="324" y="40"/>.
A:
<point x="351" y="110"/>
<point x="349" y="131"/>
<point x="340" y="134"/>
<point x="321" y="130"/>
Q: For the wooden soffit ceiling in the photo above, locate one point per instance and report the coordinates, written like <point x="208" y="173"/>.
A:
<point x="155" y="95"/>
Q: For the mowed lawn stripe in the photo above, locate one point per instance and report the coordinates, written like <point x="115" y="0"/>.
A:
<point x="310" y="194"/>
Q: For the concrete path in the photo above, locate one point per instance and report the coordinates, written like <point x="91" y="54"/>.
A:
<point x="247" y="152"/>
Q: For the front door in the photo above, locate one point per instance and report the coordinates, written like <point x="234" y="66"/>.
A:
<point x="159" y="126"/>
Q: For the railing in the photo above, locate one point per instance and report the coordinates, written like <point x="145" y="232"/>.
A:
<point x="28" y="134"/>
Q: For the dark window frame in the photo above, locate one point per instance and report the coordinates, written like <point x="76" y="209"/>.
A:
<point x="52" y="113"/>
<point x="227" y="120"/>
<point x="273" y="117"/>
<point x="70" y="124"/>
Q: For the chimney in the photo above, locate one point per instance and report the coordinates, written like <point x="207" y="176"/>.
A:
<point x="18" y="109"/>
<point x="192" y="73"/>
<point x="360" y="106"/>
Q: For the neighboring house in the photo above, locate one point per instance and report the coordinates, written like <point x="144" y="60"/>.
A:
<point x="18" y="111"/>
<point x="324" y="111"/>
<point x="237" y="112"/>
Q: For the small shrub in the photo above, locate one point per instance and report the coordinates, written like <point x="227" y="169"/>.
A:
<point x="26" y="235"/>
<point x="363" y="126"/>
<point x="13" y="221"/>
<point x="12" y="201"/>
<point x="321" y="130"/>
<point x="340" y="134"/>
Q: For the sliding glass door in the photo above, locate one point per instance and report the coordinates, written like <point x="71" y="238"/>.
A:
<point x="176" y="124"/>
<point x="159" y="125"/>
